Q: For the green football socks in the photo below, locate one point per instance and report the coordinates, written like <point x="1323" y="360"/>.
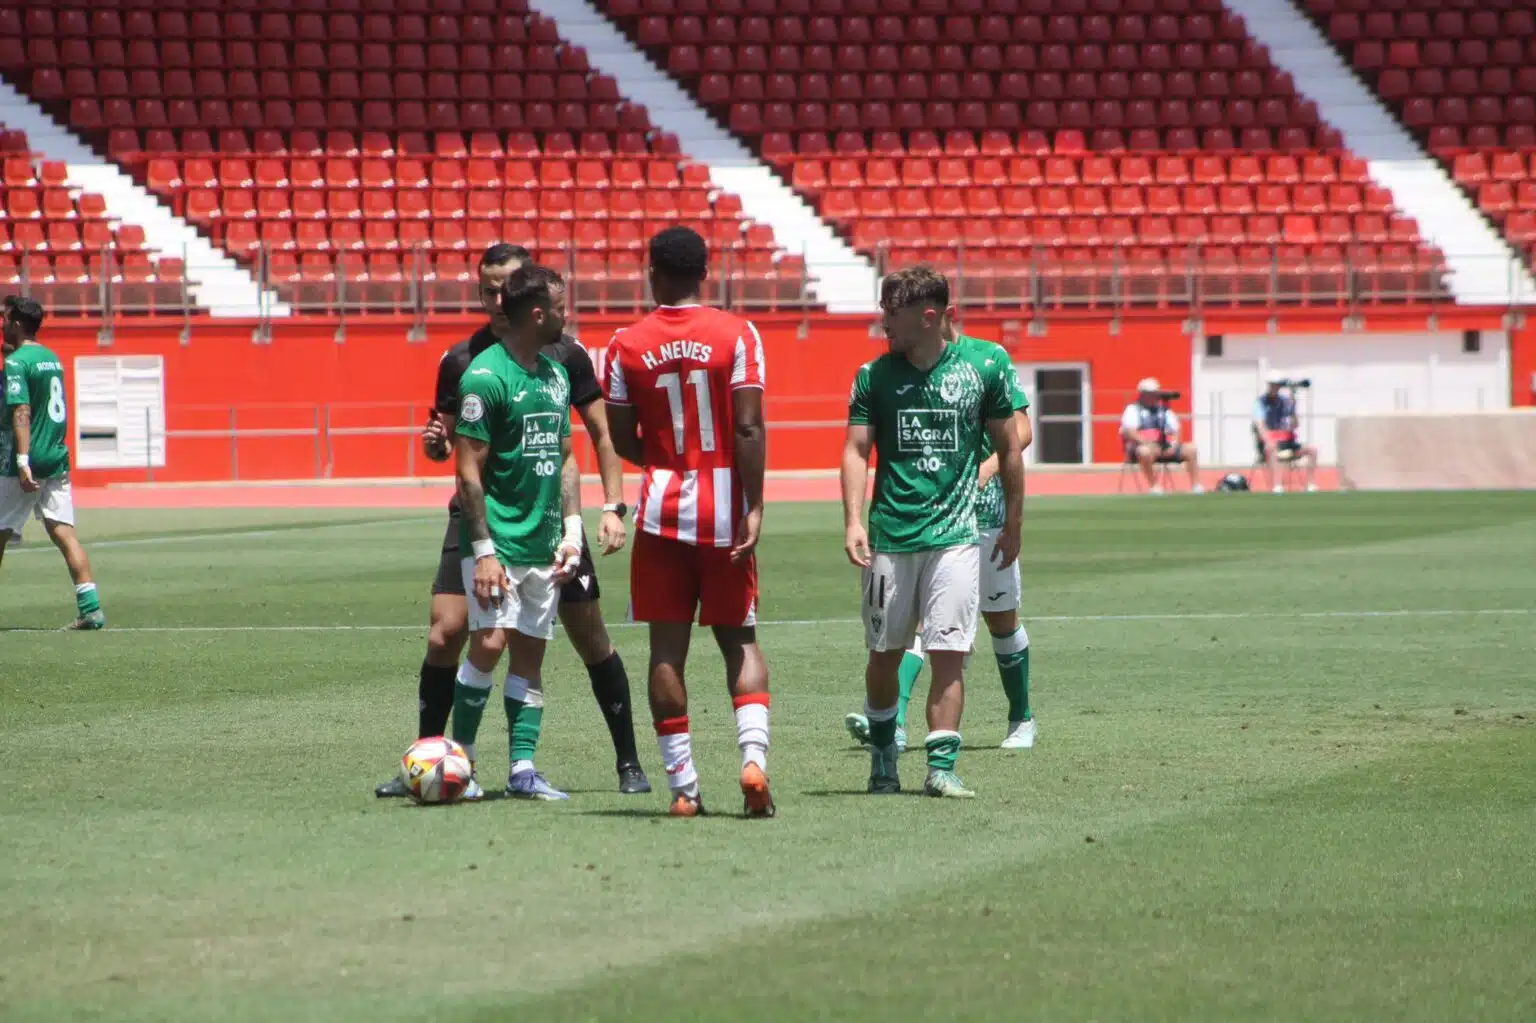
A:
<point x="86" y="600"/>
<point x="470" y="693"/>
<point x="943" y="750"/>
<point x="1012" y="653"/>
<point x="907" y="674"/>
<point x="525" y="719"/>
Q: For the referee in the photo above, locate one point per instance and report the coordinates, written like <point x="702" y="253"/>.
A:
<point x="579" y="610"/>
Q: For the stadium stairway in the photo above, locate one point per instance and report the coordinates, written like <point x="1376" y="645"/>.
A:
<point x="1477" y="257"/>
<point x="214" y="281"/>
<point x="841" y="279"/>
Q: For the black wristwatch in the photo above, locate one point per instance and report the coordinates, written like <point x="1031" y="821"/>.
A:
<point x="621" y="509"/>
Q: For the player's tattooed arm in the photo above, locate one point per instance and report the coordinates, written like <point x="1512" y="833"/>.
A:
<point x="469" y="468"/>
<point x="21" y="426"/>
<point x="568" y="552"/>
<point x="491" y="578"/>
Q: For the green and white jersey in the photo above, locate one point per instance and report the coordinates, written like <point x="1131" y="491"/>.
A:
<point x="525" y="417"/>
<point x="928" y="427"/>
<point x="34" y="376"/>
<point x="991" y="504"/>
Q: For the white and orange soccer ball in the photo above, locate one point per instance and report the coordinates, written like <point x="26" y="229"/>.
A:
<point x="435" y="770"/>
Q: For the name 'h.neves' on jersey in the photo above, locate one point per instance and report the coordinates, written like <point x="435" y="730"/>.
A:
<point x="674" y="350"/>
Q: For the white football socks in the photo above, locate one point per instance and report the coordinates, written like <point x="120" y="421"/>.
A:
<point x="676" y="745"/>
<point x="752" y="730"/>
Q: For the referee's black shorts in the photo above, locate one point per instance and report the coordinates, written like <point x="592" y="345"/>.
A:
<point x="450" y="570"/>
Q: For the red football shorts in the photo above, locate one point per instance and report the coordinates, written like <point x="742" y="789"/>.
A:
<point x="671" y="581"/>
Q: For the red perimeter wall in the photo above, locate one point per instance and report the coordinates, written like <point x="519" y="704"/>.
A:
<point x="304" y="379"/>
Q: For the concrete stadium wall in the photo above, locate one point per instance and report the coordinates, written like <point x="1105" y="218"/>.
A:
<point x="353" y="405"/>
<point x="1447" y="451"/>
<point x="1350" y="374"/>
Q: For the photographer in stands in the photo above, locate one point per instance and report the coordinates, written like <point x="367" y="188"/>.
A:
<point x="1150" y="430"/>
<point x="1275" y="422"/>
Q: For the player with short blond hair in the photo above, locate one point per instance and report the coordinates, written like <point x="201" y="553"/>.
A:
<point x="1001" y="590"/>
<point x="923" y="407"/>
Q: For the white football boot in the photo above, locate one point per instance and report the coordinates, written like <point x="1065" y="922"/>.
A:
<point x="1021" y="735"/>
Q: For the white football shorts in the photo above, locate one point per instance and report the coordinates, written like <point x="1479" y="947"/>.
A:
<point x="1000" y="587"/>
<point x="937" y="589"/>
<point x="529" y="606"/>
<point x="54" y="502"/>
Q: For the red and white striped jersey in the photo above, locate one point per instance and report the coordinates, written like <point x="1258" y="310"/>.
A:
<point x="679" y="369"/>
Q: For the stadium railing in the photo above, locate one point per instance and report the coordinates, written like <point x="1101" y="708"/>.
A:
<point x="352" y="440"/>
<point x="1035" y="280"/>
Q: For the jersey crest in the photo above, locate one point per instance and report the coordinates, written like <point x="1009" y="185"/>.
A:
<point x="557" y="389"/>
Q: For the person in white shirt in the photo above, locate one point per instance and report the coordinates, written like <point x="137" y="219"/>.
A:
<point x="1150" y="430"/>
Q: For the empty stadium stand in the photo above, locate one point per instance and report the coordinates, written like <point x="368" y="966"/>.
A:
<point x="1070" y="151"/>
<point x="1462" y="77"/>
<point x="57" y="243"/>
<point x="344" y="149"/>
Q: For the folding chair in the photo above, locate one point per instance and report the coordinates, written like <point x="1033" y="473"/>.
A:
<point x="1162" y="471"/>
<point x="1289" y="468"/>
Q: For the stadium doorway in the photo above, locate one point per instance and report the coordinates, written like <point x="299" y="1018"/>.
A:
<point x="1059" y="400"/>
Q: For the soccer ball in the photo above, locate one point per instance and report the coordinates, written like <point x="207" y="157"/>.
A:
<point x="435" y="770"/>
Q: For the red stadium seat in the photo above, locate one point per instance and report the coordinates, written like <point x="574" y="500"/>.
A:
<point x="1132" y="106"/>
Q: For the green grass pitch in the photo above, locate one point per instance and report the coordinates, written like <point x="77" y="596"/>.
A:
<point x="1287" y="770"/>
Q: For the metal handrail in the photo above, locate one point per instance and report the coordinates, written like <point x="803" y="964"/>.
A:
<point x="1213" y="419"/>
<point x="1032" y="281"/>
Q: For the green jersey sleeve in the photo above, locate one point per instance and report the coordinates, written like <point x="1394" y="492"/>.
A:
<point x="15" y="383"/>
<point x="565" y="420"/>
<point x="480" y="399"/>
<point x="859" y="398"/>
<point x="999" y="387"/>
<point x="1015" y="389"/>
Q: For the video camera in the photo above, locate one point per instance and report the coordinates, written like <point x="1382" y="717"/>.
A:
<point x="1166" y="396"/>
<point x="1295" y="385"/>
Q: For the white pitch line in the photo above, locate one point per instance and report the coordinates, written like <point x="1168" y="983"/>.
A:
<point x="1193" y="616"/>
<point x="1200" y="616"/>
<point x="232" y="534"/>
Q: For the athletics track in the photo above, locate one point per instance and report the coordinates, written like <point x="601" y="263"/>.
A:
<point x="434" y="493"/>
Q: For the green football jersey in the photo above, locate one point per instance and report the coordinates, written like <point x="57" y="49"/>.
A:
<point x="525" y="417"/>
<point x="991" y="503"/>
<point x="34" y="377"/>
<point x="928" y="428"/>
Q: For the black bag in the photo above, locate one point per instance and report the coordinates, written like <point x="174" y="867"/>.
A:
<point x="1233" y="482"/>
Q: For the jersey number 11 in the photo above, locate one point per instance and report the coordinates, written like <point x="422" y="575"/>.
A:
<point x="698" y="379"/>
